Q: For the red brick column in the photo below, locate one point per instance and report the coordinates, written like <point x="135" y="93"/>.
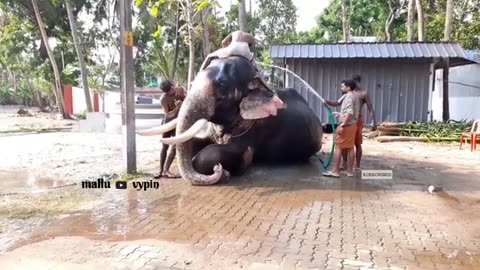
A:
<point x="68" y="98"/>
<point x="95" y="102"/>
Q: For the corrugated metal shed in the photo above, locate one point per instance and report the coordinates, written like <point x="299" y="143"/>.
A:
<point x="398" y="89"/>
<point x="370" y="50"/>
<point x="396" y="75"/>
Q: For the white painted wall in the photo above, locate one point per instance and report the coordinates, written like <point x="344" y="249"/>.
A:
<point x="112" y="99"/>
<point x="464" y="92"/>
<point x="78" y="100"/>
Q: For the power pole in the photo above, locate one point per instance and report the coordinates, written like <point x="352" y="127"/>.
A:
<point x="126" y="62"/>
<point x="446" y="96"/>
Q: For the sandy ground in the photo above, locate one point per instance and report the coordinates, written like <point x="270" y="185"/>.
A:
<point x="28" y="147"/>
<point x="30" y="161"/>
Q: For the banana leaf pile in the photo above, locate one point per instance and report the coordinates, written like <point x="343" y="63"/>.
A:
<point x="427" y="131"/>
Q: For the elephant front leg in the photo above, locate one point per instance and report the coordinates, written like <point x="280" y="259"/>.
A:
<point x="234" y="158"/>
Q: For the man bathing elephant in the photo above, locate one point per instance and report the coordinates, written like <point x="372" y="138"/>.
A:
<point x="171" y="102"/>
<point x="230" y="119"/>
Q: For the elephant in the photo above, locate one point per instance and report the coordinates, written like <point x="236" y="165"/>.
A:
<point x="230" y="120"/>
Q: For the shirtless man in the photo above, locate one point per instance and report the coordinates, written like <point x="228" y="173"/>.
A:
<point x="364" y="100"/>
<point x="171" y="102"/>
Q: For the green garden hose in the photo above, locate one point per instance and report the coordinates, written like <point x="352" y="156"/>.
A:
<point x="332" y="121"/>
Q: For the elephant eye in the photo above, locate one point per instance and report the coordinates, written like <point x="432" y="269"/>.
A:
<point x="221" y="92"/>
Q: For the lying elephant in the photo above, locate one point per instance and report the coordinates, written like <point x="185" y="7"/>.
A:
<point x="230" y="120"/>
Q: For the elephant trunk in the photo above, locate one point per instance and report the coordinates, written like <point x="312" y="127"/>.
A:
<point x="198" y="105"/>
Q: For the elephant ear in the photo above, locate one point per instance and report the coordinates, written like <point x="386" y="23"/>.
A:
<point x="260" y="101"/>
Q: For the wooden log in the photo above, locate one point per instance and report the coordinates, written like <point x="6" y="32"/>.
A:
<point x="400" y="139"/>
<point x="413" y="139"/>
<point x="392" y="124"/>
<point x="388" y="133"/>
<point x="398" y="129"/>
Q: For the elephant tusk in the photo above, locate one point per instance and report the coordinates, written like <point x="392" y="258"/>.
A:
<point x="159" y="130"/>
<point x="203" y="134"/>
<point x="188" y="134"/>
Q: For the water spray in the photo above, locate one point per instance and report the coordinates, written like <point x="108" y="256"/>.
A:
<point x="330" y="113"/>
<point x="298" y="77"/>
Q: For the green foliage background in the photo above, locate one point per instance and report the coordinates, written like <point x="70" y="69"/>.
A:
<point x="26" y="74"/>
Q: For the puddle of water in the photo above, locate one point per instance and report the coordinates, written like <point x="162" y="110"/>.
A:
<point x="15" y="181"/>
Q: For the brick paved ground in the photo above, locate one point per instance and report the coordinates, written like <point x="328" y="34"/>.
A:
<point x="288" y="217"/>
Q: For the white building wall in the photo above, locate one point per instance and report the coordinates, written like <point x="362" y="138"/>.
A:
<point x="464" y="93"/>
<point x="78" y="100"/>
<point x="112" y="99"/>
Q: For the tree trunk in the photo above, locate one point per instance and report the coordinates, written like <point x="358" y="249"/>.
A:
<point x="56" y="73"/>
<point x="410" y="19"/>
<point x="242" y="16"/>
<point x="448" y="21"/>
<point x="191" y="45"/>
<point x="83" y="69"/>
<point x="177" y="40"/>
<point x="421" y="22"/>
<point x="388" y="22"/>
<point x="345" y="26"/>
<point x="206" y="32"/>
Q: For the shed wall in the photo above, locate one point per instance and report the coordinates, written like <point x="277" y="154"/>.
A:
<point x="398" y="89"/>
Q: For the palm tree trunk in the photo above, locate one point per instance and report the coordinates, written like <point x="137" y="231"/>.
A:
<point x="410" y="19"/>
<point x="345" y="26"/>
<point x="206" y="32"/>
<point x="242" y="16"/>
<point x="389" y="21"/>
<point x="56" y="73"/>
<point x="421" y="21"/>
<point x="177" y="47"/>
<point x="83" y="69"/>
<point x="191" y="45"/>
<point x="448" y="21"/>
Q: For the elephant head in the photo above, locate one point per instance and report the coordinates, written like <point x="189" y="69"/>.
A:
<point x="228" y="89"/>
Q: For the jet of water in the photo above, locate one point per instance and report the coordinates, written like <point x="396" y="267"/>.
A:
<point x="298" y="77"/>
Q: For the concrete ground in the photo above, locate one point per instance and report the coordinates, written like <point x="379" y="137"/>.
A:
<point x="271" y="218"/>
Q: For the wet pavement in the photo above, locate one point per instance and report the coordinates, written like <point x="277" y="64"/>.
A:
<point x="288" y="217"/>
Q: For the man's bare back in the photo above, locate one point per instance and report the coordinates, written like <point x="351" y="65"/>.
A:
<point x="365" y="100"/>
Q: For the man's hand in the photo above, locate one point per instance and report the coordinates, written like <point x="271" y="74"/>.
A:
<point x="178" y="103"/>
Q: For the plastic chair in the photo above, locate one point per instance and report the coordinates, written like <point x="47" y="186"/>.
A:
<point x="473" y="135"/>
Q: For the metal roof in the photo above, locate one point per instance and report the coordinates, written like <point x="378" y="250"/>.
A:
<point x="369" y="50"/>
